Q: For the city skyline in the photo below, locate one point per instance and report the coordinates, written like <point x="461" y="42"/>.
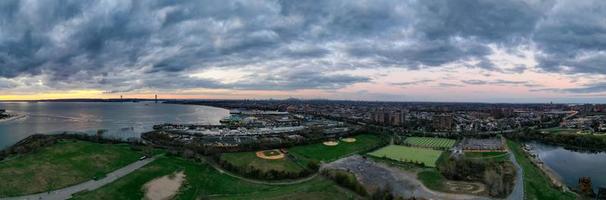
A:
<point x="515" y="51"/>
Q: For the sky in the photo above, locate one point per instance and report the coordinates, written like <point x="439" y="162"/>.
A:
<point x="376" y="50"/>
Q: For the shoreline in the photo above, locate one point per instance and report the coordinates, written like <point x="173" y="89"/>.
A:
<point x="12" y="117"/>
<point x="554" y="178"/>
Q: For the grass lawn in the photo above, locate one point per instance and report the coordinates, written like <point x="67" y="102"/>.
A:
<point x="251" y="159"/>
<point x="202" y="181"/>
<point x="430" y="142"/>
<point x="429" y="157"/>
<point x="66" y="163"/>
<point x="536" y="183"/>
<point x="494" y="156"/>
<point x="321" y="152"/>
<point x="432" y="179"/>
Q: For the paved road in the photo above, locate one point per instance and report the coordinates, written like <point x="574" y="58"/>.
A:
<point x="67" y="192"/>
<point x="518" y="188"/>
<point x="403" y="183"/>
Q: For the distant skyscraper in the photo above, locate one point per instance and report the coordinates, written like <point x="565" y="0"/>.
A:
<point x="156" y="98"/>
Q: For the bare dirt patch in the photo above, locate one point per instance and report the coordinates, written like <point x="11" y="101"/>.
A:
<point x="465" y="187"/>
<point x="349" y="140"/>
<point x="331" y="143"/>
<point x="270" y="154"/>
<point x="164" y="187"/>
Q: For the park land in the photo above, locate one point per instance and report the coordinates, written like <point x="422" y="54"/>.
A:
<point x="70" y="162"/>
<point x="63" y="164"/>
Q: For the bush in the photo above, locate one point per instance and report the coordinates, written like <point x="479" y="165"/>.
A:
<point x="313" y="165"/>
<point x="347" y="180"/>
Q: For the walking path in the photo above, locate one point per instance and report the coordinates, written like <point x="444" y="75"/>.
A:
<point x="67" y="192"/>
<point x="518" y="188"/>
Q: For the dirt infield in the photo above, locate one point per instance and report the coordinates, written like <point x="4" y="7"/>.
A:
<point x="270" y="154"/>
<point x="349" y="140"/>
<point x="331" y="143"/>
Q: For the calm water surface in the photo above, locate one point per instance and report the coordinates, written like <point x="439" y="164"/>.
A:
<point x="124" y="120"/>
<point x="570" y="165"/>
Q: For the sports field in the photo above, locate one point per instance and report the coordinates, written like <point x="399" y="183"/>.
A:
<point x="63" y="164"/>
<point x="430" y="142"/>
<point x="407" y="154"/>
<point x="321" y="152"/>
<point x="204" y="182"/>
<point x="250" y="159"/>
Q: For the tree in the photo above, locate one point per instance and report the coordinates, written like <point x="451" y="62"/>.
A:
<point x="313" y="165"/>
<point x="100" y="134"/>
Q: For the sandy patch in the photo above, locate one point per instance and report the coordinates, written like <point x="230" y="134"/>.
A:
<point x="349" y="140"/>
<point x="330" y="143"/>
<point x="164" y="187"/>
<point x="270" y="154"/>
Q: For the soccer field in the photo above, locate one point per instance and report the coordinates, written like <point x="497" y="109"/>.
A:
<point x="430" y="142"/>
<point x="407" y="154"/>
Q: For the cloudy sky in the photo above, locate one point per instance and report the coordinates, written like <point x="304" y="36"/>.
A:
<point x="416" y="50"/>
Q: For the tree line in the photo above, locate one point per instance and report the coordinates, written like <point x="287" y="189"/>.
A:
<point x="38" y="141"/>
<point x="571" y="141"/>
<point x="498" y="176"/>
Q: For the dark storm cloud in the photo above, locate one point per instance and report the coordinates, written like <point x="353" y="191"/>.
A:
<point x="572" y="37"/>
<point x="417" y="82"/>
<point x="587" y="88"/>
<point x="501" y="82"/>
<point x="293" y="80"/>
<point x="447" y="85"/>
<point x="492" y="21"/>
<point x="121" y="45"/>
<point x="518" y="69"/>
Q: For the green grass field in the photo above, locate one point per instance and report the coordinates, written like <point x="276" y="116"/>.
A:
<point x="250" y="159"/>
<point x="536" y="183"/>
<point x="404" y="153"/>
<point x="202" y="181"/>
<point x="430" y="142"/>
<point x="432" y="179"/>
<point x="63" y="164"/>
<point x="494" y="156"/>
<point x="321" y="152"/>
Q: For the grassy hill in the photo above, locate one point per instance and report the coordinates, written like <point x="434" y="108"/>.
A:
<point x="63" y="164"/>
